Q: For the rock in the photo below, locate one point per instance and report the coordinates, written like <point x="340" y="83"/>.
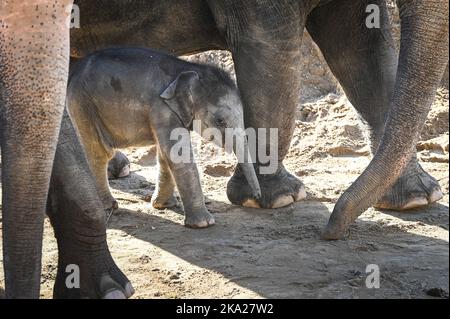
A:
<point x="437" y="292"/>
<point x="218" y="170"/>
<point x="174" y="277"/>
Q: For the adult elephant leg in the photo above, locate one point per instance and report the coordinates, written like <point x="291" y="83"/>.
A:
<point x="34" y="60"/>
<point x="365" y="63"/>
<point x="422" y="62"/>
<point x="77" y="215"/>
<point x="265" y="39"/>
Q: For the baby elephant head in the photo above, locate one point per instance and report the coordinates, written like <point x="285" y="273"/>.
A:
<point x="210" y="96"/>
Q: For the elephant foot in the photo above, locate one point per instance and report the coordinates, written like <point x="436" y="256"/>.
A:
<point x="200" y="219"/>
<point x="415" y="188"/>
<point x="118" y="166"/>
<point x="109" y="202"/>
<point x="98" y="275"/>
<point x="277" y="190"/>
<point x="160" y="202"/>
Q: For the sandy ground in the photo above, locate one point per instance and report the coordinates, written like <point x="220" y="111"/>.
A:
<point x="277" y="253"/>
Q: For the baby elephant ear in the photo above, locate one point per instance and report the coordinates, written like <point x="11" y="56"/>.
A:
<point x="183" y="77"/>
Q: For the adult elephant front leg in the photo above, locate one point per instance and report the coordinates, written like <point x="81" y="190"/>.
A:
<point x="422" y="61"/>
<point x="34" y="61"/>
<point x="265" y="39"/>
<point x="364" y="60"/>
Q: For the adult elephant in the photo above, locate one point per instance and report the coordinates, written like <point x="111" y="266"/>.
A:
<point x="265" y="38"/>
<point x="392" y="95"/>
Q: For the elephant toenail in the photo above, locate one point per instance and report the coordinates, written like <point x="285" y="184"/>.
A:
<point x="283" y="201"/>
<point x="129" y="290"/>
<point x="416" y="202"/>
<point x="115" y="294"/>
<point x="251" y="203"/>
<point x="435" y="196"/>
<point x="125" y="171"/>
<point x="301" y="194"/>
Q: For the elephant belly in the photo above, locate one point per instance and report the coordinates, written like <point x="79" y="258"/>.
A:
<point x="176" y="26"/>
<point x="127" y="123"/>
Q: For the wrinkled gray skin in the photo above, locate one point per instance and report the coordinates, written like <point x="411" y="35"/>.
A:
<point x="73" y="204"/>
<point x="364" y="60"/>
<point x="392" y="94"/>
<point x="118" y="166"/>
<point x="126" y="97"/>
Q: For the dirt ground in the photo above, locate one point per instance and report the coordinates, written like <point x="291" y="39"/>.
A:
<point x="277" y="253"/>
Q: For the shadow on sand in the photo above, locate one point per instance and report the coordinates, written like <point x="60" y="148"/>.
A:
<point x="279" y="253"/>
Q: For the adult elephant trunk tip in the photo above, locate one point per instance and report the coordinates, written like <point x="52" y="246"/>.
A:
<point x="250" y="174"/>
<point x="422" y="62"/>
<point x="340" y="220"/>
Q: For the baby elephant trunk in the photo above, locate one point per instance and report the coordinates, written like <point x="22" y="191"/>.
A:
<point x="249" y="170"/>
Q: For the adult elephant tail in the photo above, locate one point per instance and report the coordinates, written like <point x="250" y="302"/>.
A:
<point x="422" y="62"/>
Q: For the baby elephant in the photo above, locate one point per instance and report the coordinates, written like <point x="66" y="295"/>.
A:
<point x="127" y="97"/>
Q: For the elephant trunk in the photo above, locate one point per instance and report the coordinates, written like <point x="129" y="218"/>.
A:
<point x="248" y="168"/>
<point x="422" y="62"/>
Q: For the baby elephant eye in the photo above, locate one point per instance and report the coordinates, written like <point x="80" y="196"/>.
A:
<point x="220" y="122"/>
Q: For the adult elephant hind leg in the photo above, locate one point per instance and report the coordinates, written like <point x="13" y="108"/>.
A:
<point x="422" y="61"/>
<point x="78" y="218"/>
<point x="365" y="63"/>
<point x="34" y="61"/>
<point x="265" y="39"/>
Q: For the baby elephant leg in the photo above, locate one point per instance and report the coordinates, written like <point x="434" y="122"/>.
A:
<point x="98" y="159"/>
<point x="163" y="197"/>
<point x="188" y="184"/>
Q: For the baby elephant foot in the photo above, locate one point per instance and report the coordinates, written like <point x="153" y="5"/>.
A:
<point x="110" y="203"/>
<point x="159" y="202"/>
<point x="118" y="166"/>
<point x="199" y="219"/>
<point x="415" y="188"/>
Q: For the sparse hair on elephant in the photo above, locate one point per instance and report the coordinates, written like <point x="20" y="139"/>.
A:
<point x="128" y="97"/>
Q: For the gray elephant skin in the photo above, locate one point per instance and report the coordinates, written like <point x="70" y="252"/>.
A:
<point x="392" y="93"/>
<point x="119" y="166"/>
<point x="126" y="97"/>
<point x="73" y="204"/>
